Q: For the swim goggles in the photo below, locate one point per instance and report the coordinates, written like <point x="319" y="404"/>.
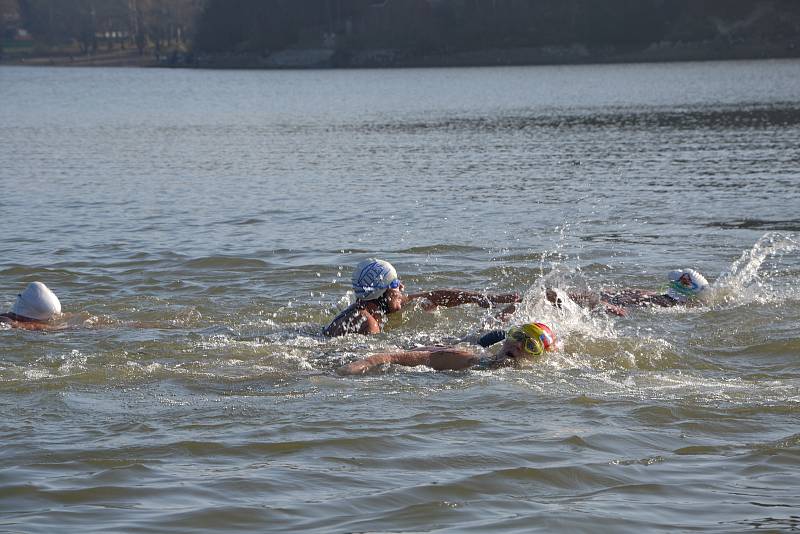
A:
<point x="533" y="346"/>
<point x="394" y="284"/>
<point x="690" y="290"/>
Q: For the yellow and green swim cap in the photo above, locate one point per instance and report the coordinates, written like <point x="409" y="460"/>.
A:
<point x="536" y="338"/>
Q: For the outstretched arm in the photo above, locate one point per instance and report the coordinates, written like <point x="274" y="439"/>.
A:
<point x="439" y="359"/>
<point x="37" y="326"/>
<point x="15" y="322"/>
<point x="456" y="297"/>
<point x="587" y="300"/>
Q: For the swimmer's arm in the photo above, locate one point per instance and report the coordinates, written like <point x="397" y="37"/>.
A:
<point x="592" y="302"/>
<point x="440" y="359"/>
<point x="34" y="326"/>
<point x="452" y="359"/>
<point x="586" y="300"/>
<point x="456" y="297"/>
<point x="362" y="367"/>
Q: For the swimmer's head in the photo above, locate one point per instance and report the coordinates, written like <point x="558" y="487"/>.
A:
<point x="37" y="302"/>
<point x="534" y="338"/>
<point x="685" y="284"/>
<point x="373" y="277"/>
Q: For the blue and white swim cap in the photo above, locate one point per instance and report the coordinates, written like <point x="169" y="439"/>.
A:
<point x="37" y="302"/>
<point x="373" y="277"/>
<point x="692" y="286"/>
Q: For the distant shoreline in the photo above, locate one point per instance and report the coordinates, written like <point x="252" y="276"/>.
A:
<point x="116" y="58"/>
<point x="387" y="58"/>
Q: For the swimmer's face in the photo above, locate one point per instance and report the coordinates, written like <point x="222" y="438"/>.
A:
<point x="685" y="280"/>
<point x="394" y="299"/>
<point x="512" y="349"/>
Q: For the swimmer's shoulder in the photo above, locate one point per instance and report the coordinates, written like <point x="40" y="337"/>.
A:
<point x="352" y="320"/>
<point x="491" y="338"/>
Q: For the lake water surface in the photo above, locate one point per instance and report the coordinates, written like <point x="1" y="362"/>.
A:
<point x="201" y="227"/>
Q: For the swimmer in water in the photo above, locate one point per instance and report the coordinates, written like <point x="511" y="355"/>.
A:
<point x="521" y="342"/>
<point x="686" y="286"/>
<point x="34" y="309"/>
<point x="379" y="293"/>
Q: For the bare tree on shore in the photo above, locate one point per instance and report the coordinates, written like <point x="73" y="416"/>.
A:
<point x="160" y="23"/>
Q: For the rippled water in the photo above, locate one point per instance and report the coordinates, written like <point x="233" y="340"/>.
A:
<point x="200" y="228"/>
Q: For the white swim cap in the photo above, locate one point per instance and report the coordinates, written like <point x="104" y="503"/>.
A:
<point x="373" y="277"/>
<point x="681" y="292"/>
<point x="37" y="302"/>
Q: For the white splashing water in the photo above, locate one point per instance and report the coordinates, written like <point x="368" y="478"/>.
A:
<point x="743" y="277"/>
<point x="567" y="318"/>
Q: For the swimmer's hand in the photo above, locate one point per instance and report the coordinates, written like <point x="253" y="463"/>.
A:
<point x="360" y="367"/>
<point x="552" y="297"/>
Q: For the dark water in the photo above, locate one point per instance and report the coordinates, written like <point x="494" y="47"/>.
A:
<point x="200" y="227"/>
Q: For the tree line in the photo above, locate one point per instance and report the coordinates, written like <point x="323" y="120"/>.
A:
<point x="257" y="26"/>
<point x="417" y="26"/>
<point x="140" y="23"/>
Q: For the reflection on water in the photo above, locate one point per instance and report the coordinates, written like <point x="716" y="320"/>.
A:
<point x="200" y="228"/>
<point x="733" y="117"/>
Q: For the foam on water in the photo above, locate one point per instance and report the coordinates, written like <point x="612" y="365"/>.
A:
<point x="591" y="343"/>
<point x="605" y="349"/>
<point x="743" y="282"/>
